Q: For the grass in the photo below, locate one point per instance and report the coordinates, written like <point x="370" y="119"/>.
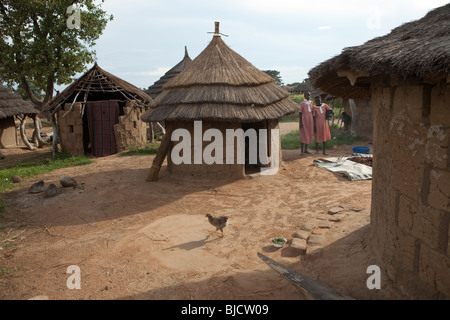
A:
<point x="291" y="140"/>
<point x="147" y="149"/>
<point x="33" y="168"/>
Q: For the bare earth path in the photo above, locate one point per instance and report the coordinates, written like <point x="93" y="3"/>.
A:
<point x="138" y="240"/>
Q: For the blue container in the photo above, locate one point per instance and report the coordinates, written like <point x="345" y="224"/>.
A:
<point x="364" y="150"/>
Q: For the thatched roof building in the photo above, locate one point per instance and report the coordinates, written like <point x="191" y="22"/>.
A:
<point x="11" y="105"/>
<point x="99" y="114"/>
<point x="154" y="90"/>
<point x="415" y="49"/>
<point x="223" y="90"/>
<point x="221" y="85"/>
<point x="406" y="74"/>
<point x="97" y="84"/>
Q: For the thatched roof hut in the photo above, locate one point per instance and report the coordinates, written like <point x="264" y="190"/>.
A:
<point x="415" y="49"/>
<point x="154" y="90"/>
<point x="406" y="74"/>
<point x="220" y="87"/>
<point x="11" y="105"/>
<point x="99" y="114"/>
<point x="98" y="84"/>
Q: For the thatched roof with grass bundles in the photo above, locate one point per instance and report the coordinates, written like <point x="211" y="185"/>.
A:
<point x="12" y="104"/>
<point x="154" y="90"/>
<point x="418" y="49"/>
<point x="220" y="85"/>
<point x="98" y="84"/>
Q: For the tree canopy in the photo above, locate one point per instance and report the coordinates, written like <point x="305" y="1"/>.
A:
<point x="47" y="42"/>
<point x="276" y="75"/>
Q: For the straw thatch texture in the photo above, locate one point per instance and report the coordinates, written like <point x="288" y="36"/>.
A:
<point x="154" y="90"/>
<point x="98" y="82"/>
<point x="415" y="49"/>
<point x="221" y="85"/>
<point x="12" y="104"/>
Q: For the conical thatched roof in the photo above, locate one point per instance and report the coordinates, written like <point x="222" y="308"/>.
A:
<point x="98" y="84"/>
<point x="12" y="104"/>
<point x="415" y="49"/>
<point x="221" y="85"/>
<point x="154" y="90"/>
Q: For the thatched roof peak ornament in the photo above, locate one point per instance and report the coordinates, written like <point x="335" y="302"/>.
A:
<point x="216" y="30"/>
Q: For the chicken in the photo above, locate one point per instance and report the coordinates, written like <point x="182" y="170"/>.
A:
<point x="218" y="222"/>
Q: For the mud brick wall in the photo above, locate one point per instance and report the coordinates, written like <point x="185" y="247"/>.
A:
<point x="131" y="131"/>
<point x="7" y="132"/>
<point x="411" y="185"/>
<point x="71" y="129"/>
<point x="364" y="122"/>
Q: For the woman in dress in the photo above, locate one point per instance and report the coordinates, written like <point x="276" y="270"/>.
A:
<point x="321" y="129"/>
<point x="306" y="123"/>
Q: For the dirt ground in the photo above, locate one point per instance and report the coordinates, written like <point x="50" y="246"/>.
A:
<point x="134" y="239"/>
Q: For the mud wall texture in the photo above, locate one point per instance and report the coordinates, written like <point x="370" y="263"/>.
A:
<point x="70" y="127"/>
<point x="7" y="132"/>
<point x="411" y="185"/>
<point x="131" y="131"/>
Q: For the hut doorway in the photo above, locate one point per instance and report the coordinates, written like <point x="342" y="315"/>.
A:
<point x="101" y="118"/>
<point x="250" y="166"/>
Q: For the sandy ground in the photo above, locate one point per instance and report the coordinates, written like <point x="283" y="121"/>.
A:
<point x="134" y="239"/>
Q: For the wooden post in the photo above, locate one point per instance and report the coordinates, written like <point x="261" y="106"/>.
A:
<point x="37" y="133"/>
<point x="160" y="156"/>
<point x="55" y="135"/>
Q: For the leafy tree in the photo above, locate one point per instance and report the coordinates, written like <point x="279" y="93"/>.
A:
<point x="276" y="75"/>
<point x="38" y="46"/>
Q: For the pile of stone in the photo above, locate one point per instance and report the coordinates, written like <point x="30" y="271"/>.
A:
<point x="52" y="190"/>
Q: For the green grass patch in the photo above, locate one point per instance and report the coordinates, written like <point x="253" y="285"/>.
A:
<point x="147" y="149"/>
<point x="291" y="140"/>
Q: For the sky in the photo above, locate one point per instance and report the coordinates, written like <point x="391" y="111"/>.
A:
<point x="147" y="37"/>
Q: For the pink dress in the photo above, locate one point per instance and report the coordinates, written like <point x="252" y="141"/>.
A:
<point x="307" y="132"/>
<point x="322" y="129"/>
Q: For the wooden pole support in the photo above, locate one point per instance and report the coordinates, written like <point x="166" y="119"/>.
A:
<point x="160" y="156"/>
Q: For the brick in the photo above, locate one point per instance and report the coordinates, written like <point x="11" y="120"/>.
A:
<point x="439" y="196"/>
<point x="308" y="226"/>
<point x="437" y="146"/>
<point x="434" y="269"/>
<point x="440" y="100"/>
<point x="405" y="253"/>
<point x="302" y="234"/>
<point x="316" y="239"/>
<point x="335" y="210"/>
<point x="299" y="244"/>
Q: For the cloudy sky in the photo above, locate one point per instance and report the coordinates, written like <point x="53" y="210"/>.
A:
<point x="147" y="37"/>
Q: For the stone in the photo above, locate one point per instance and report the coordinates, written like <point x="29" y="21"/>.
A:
<point x="52" y="190"/>
<point x="16" y="179"/>
<point x="316" y="239"/>
<point x="67" y="182"/>
<point x="313" y="251"/>
<point x="357" y="209"/>
<point x="334" y="219"/>
<point x="335" y="210"/>
<point x="299" y="244"/>
<point x="324" y="225"/>
<point x="308" y="226"/>
<point x="319" y="231"/>
<point x="302" y="234"/>
<point x="39" y="298"/>
<point x="37" y="187"/>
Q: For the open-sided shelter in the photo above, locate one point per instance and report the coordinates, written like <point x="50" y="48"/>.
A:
<point x="223" y="91"/>
<point x="100" y="114"/>
<point x="406" y="74"/>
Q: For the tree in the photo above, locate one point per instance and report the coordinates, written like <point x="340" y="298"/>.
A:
<point x="38" y="46"/>
<point x="276" y="75"/>
<point x="41" y="45"/>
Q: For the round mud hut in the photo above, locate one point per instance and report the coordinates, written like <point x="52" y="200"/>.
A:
<point x="154" y="90"/>
<point x="99" y="114"/>
<point x="406" y="74"/>
<point x="11" y="106"/>
<point x="219" y="93"/>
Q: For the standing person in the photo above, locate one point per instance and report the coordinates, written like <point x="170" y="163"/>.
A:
<point x="306" y="123"/>
<point x="321" y="128"/>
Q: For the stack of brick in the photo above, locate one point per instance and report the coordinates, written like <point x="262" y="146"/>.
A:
<point x="131" y="131"/>
<point x="70" y="126"/>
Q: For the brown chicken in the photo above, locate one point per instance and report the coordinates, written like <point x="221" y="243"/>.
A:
<point x="219" y="222"/>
